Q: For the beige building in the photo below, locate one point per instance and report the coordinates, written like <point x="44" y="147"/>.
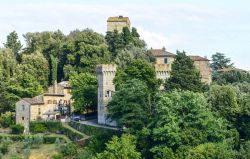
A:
<point x="48" y="106"/>
<point x="117" y="23"/>
<point x="106" y="88"/>
<point x="164" y="60"/>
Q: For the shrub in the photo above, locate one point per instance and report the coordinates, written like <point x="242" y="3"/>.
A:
<point x="69" y="149"/>
<point x="57" y="156"/>
<point x="7" y="119"/>
<point x="17" y="129"/>
<point x="4" y="148"/>
<point x="39" y="128"/>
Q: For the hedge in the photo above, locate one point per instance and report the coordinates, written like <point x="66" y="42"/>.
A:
<point x="54" y="127"/>
<point x="92" y="130"/>
<point x="47" y="139"/>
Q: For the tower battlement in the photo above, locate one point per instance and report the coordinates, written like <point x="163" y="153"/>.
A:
<point x="105" y="68"/>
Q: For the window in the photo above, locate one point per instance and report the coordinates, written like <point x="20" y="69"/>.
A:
<point x="65" y="102"/>
<point x="108" y="94"/>
<point x="22" y="118"/>
<point x="39" y="111"/>
<point x="49" y="101"/>
<point x="23" y="107"/>
<point x="54" y="101"/>
<point x="165" y="60"/>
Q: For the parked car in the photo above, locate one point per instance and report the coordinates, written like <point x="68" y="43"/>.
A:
<point x="75" y="118"/>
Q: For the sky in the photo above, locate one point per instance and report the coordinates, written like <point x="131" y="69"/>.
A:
<point x="197" y="27"/>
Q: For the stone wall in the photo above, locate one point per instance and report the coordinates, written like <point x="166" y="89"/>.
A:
<point x="106" y="88"/>
<point x="23" y="114"/>
<point x="112" y="26"/>
<point x="205" y="71"/>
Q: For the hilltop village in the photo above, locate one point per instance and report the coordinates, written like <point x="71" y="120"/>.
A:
<point x="58" y="97"/>
<point x="91" y="96"/>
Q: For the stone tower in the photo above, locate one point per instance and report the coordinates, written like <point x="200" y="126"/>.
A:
<point x="117" y="23"/>
<point x="106" y="88"/>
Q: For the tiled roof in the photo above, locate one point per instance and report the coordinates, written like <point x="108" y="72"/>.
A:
<point x="161" y="53"/>
<point x="34" y="100"/>
<point x="198" y="58"/>
<point x="118" y="19"/>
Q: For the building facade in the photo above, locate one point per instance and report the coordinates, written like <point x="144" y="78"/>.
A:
<point x="117" y="23"/>
<point x="106" y="88"/>
<point x="164" y="60"/>
<point x="49" y="106"/>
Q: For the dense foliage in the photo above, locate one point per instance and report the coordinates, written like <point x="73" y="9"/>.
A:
<point x="184" y="75"/>
<point x="185" y="121"/>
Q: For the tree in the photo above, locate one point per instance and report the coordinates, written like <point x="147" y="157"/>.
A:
<point x="130" y="53"/>
<point x="85" y="50"/>
<point x="24" y="86"/>
<point x="84" y="92"/>
<point x="138" y="69"/>
<point x="182" y="117"/>
<point x="130" y="106"/>
<point x="14" y="44"/>
<point x="233" y="76"/>
<point x="120" y="148"/>
<point x="221" y="150"/>
<point x="223" y="101"/>
<point x="53" y="69"/>
<point x="7" y="64"/>
<point x="184" y="75"/>
<point x="220" y="61"/>
<point x="242" y="122"/>
<point x="35" y="65"/>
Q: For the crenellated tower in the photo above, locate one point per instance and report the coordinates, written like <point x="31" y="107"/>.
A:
<point x="106" y="88"/>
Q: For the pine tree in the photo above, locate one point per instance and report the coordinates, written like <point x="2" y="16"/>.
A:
<point x="220" y="61"/>
<point x="184" y="75"/>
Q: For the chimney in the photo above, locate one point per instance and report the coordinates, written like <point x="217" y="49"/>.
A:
<point x="120" y="16"/>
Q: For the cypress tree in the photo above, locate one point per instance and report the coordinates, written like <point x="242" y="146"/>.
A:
<point x="184" y="75"/>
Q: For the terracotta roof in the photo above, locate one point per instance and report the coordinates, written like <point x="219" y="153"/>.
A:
<point x="198" y="58"/>
<point x="161" y="53"/>
<point x="34" y="100"/>
<point x="118" y="19"/>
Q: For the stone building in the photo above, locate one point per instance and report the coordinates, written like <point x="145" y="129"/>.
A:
<point x="48" y="106"/>
<point x="106" y="88"/>
<point x="117" y="23"/>
<point x="164" y="60"/>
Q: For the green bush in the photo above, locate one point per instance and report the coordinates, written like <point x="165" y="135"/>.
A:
<point x="7" y="119"/>
<point x="17" y="129"/>
<point x="57" y="156"/>
<point x="41" y="126"/>
<point x="4" y="148"/>
<point x="14" y="137"/>
<point x="69" y="149"/>
<point x="52" y="139"/>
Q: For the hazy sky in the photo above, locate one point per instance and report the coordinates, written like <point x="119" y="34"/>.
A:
<point x="198" y="27"/>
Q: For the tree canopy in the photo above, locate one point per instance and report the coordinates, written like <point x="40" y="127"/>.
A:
<point x="184" y="75"/>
